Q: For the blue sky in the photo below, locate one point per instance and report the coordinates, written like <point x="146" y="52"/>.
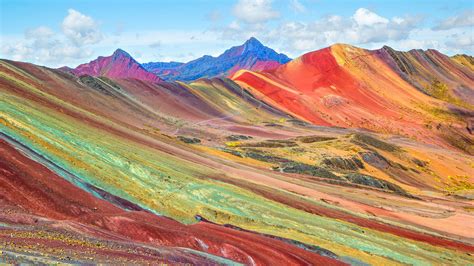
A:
<point x="57" y="33"/>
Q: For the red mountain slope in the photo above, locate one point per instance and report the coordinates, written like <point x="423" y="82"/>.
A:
<point x="351" y="87"/>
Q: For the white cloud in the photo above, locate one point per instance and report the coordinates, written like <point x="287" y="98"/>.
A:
<point x="362" y="28"/>
<point x="52" y="52"/>
<point x="80" y="28"/>
<point x="365" y="17"/>
<point x="303" y="44"/>
<point x="251" y="17"/>
<point x="42" y="45"/>
<point x="80" y="37"/>
<point x="238" y="31"/>
<point x="464" y="19"/>
<point x="17" y="52"/>
<point x="297" y="6"/>
<point x="234" y="25"/>
<point x="174" y="45"/>
<point x="39" y="33"/>
<point x="462" y="42"/>
<point x="255" y="11"/>
<point x="449" y="42"/>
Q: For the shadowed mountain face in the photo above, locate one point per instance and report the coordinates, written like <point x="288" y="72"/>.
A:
<point x="341" y="156"/>
<point x="119" y="65"/>
<point x="251" y="55"/>
<point x="433" y="73"/>
<point x="163" y="69"/>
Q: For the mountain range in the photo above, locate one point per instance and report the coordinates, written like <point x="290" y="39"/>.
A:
<point x="382" y="90"/>
<point x="340" y="156"/>
<point x="252" y="55"/>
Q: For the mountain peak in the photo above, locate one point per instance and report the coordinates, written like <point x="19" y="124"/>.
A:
<point x="120" y="65"/>
<point x="121" y="53"/>
<point x="253" y="44"/>
<point x="344" y="46"/>
<point x="253" y="41"/>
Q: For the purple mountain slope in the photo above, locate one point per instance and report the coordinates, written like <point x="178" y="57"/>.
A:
<point x="120" y="65"/>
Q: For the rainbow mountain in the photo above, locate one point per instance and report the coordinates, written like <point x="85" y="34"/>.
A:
<point x="340" y="156"/>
